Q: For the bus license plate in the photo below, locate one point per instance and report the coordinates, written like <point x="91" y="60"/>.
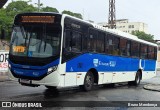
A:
<point x="25" y="81"/>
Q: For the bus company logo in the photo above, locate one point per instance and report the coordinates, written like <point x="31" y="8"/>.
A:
<point x="95" y="62"/>
<point x="6" y="104"/>
<point x="112" y="63"/>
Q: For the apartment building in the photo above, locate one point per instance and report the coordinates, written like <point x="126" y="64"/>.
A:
<point x="128" y="27"/>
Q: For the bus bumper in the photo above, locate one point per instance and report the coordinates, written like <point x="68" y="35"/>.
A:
<point x="49" y="80"/>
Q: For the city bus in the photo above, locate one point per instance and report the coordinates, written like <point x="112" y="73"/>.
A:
<point x="58" y="50"/>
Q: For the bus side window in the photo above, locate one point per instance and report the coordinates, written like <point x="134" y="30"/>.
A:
<point x="128" y="48"/>
<point x="100" y="42"/>
<point x="108" y="44"/>
<point x="92" y="40"/>
<point x="76" y="42"/>
<point x="115" y="46"/>
<point x="67" y="40"/>
<point x="144" y="51"/>
<point x="112" y="45"/>
<point x="155" y="53"/>
<point x="123" y="43"/>
<point x="84" y="42"/>
<point x="135" y="49"/>
<point x="151" y="52"/>
<point x="72" y="41"/>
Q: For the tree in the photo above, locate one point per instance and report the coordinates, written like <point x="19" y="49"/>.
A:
<point x="49" y="9"/>
<point x="16" y="7"/>
<point x="144" y="36"/>
<point x="7" y="14"/>
<point x="78" y="15"/>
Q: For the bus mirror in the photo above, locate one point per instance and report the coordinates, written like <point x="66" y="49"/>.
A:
<point x="2" y="34"/>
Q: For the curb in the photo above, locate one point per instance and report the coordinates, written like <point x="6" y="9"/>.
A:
<point x="152" y="87"/>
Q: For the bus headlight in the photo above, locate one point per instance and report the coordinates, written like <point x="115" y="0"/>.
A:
<point x="9" y="65"/>
<point x="52" y="69"/>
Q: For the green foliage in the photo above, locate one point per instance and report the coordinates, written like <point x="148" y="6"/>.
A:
<point x="144" y="36"/>
<point x="78" y="15"/>
<point x="7" y="14"/>
<point x="50" y="9"/>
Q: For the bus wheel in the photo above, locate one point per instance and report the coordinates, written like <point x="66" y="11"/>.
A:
<point x="88" y="81"/>
<point x="51" y="87"/>
<point x="137" y="80"/>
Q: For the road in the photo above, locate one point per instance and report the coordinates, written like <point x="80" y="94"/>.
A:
<point x="12" y="91"/>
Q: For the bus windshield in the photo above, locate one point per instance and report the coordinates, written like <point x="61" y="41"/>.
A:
<point x="38" y="40"/>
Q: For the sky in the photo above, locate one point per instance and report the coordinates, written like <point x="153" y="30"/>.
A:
<point x="146" y="11"/>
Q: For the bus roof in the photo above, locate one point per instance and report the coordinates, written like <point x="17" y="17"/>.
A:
<point x="124" y="34"/>
<point x="115" y="32"/>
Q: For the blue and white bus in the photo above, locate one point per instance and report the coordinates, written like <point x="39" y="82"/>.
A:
<point x="57" y="50"/>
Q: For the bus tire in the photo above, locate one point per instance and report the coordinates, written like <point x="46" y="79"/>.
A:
<point x="88" y="81"/>
<point x="137" y="80"/>
<point x="51" y="87"/>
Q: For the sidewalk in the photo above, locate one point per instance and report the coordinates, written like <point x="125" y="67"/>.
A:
<point x="153" y="84"/>
<point x="152" y="87"/>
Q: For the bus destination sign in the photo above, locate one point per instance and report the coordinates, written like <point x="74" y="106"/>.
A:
<point x="38" y="19"/>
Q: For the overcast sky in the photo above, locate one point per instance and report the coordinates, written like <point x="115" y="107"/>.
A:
<point x="146" y="11"/>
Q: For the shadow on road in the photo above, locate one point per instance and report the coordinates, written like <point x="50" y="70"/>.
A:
<point x="51" y="93"/>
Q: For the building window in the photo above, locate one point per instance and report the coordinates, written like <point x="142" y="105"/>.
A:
<point x="129" y="26"/>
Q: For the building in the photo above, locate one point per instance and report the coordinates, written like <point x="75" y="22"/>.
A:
<point x="128" y="27"/>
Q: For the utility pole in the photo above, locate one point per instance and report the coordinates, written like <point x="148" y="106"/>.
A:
<point x="112" y="15"/>
<point x="38" y="5"/>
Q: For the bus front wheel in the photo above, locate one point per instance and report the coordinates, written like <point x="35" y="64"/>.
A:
<point x="88" y="81"/>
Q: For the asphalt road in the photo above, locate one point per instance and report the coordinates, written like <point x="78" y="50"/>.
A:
<point x="12" y="91"/>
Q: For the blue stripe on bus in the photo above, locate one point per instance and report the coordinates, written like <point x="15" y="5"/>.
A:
<point x="108" y="63"/>
<point x="32" y="71"/>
